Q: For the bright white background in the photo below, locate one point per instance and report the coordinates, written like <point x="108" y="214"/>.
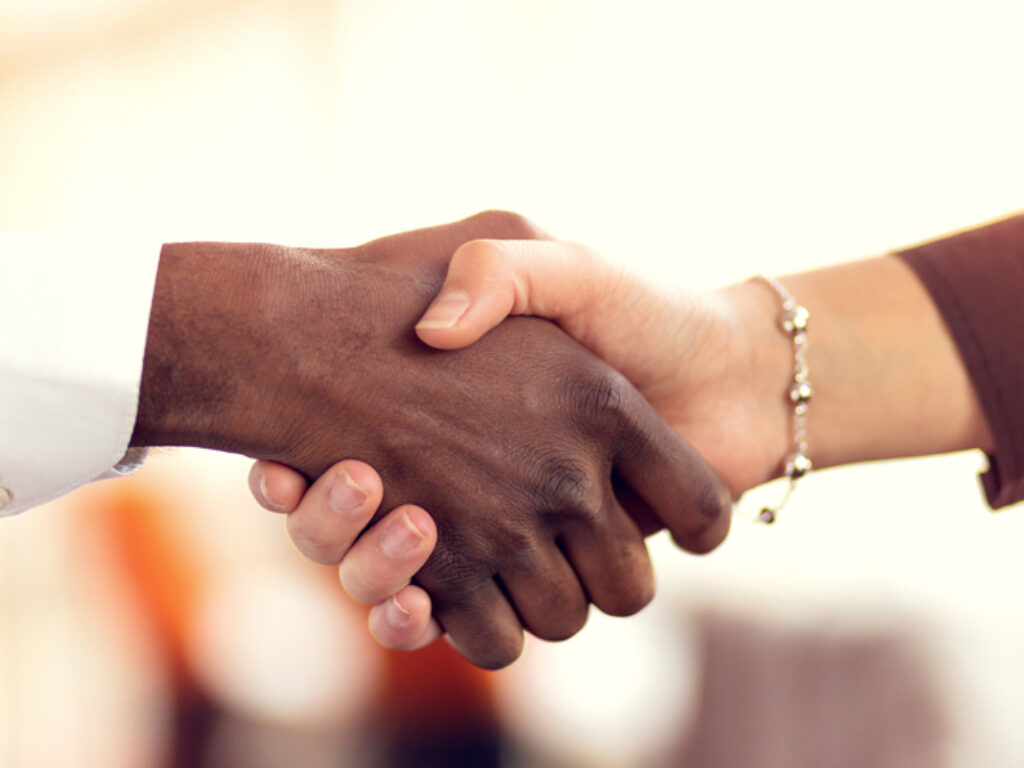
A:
<point x="699" y="142"/>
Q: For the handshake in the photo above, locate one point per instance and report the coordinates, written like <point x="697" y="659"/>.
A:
<point x="496" y="475"/>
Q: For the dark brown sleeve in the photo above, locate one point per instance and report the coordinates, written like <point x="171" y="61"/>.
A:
<point x="977" y="281"/>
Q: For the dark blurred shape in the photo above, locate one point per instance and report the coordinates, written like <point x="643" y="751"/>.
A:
<point x="145" y="534"/>
<point x="814" y="697"/>
<point x="439" y="712"/>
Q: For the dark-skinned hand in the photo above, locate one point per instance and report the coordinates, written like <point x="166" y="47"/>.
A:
<point x="524" y="447"/>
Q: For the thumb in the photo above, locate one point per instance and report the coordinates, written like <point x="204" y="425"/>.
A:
<point x="488" y="280"/>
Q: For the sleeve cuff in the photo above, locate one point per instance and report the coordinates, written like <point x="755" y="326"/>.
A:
<point x="75" y="314"/>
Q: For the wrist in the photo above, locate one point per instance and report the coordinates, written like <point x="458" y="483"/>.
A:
<point x="889" y="381"/>
<point x="205" y="349"/>
<point x="767" y="370"/>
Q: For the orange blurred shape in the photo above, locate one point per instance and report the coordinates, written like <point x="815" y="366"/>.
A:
<point x="153" y="550"/>
<point x="435" y="689"/>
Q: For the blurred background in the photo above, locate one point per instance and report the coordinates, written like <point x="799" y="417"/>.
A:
<point x="164" y="620"/>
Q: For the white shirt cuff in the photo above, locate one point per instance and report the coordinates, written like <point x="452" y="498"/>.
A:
<point x="74" y="313"/>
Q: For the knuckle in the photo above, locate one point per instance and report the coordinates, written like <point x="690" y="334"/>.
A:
<point x="518" y="545"/>
<point x="571" y="618"/>
<point x="630" y="597"/>
<point x="631" y="586"/>
<point x="352" y="581"/>
<point x="566" y="487"/>
<point x="508" y="225"/>
<point x="313" y="541"/>
<point x="713" y="507"/>
<point x="501" y="652"/>
<point x="452" y="575"/>
<point x="602" y="396"/>
<point x="479" y="255"/>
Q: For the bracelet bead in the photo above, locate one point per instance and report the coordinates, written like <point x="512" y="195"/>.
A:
<point x="793" y="320"/>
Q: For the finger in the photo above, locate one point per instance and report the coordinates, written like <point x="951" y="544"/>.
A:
<point x="488" y="635"/>
<point x="403" y="621"/>
<point x="547" y="594"/>
<point x="335" y="510"/>
<point x="608" y="553"/>
<point x="388" y="555"/>
<point x="638" y="509"/>
<point x="488" y="280"/>
<point x="682" y="490"/>
<point x="276" y="487"/>
<point x="480" y="622"/>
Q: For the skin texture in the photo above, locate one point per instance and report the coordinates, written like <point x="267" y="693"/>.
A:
<point x="889" y="381"/>
<point x="521" y="446"/>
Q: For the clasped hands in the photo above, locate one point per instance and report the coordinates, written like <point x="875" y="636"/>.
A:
<point x="521" y="462"/>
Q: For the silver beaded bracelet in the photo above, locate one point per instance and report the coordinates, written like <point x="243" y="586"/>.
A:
<point x="793" y="322"/>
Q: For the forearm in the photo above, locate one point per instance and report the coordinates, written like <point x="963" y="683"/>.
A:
<point x="888" y="379"/>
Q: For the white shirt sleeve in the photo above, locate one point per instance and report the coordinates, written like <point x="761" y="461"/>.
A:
<point x="74" y="313"/>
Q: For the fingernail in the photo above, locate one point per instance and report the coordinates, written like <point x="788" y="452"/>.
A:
<point x="397" y="614"/>
<point x="401" y="537"/>
<point x="446" y="311"/>
<point x="346" y="495"/>
<point x="268" y="500"/>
